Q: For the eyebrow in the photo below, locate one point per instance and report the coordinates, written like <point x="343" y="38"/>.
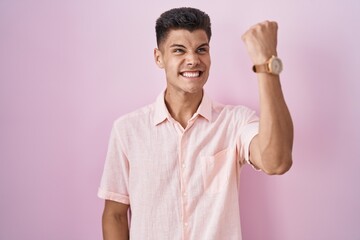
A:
<point x="182" y="46"/>
<point x="177" y="45"/>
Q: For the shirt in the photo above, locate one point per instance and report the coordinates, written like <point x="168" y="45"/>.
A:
<point x="181" y="184"/>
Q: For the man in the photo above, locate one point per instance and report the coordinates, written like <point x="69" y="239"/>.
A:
<point x="176" y="162"/>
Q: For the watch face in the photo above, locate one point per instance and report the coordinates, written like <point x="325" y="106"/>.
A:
<point x="276" y="66"/>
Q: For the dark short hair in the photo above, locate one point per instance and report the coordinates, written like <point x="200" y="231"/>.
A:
<point x="182" y="18"/>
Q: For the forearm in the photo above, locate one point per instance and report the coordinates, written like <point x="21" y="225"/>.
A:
<point x="115" y="227"/>
<point x="276" y="127"/>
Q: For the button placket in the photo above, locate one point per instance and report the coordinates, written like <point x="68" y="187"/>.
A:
<point x="184" y="184"/>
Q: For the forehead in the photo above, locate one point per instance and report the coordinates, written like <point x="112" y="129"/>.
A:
<point x="186" y="38"/>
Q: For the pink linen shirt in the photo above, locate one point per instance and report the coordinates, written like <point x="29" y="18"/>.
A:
<point x="181" y="184"/>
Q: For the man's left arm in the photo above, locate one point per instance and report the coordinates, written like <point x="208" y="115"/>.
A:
<point x="271" y="149"/>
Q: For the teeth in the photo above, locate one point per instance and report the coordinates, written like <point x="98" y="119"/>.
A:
<point x="191" y="74"/>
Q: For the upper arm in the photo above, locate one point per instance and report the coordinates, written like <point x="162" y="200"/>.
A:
<point x="117" y="209"/>
<point x="272" y="165"/>
<point x="115" y="220"/>
<point x="255" y="154"/>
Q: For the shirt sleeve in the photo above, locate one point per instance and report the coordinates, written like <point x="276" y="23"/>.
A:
<point x="249" y="128"/>
<point x="250" y="131"/>
<point x="115" y="179"/>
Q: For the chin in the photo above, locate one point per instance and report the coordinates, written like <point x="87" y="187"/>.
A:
<point x="195" y="90"/>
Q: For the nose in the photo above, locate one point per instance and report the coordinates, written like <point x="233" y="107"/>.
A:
<point x="192" y="59"/>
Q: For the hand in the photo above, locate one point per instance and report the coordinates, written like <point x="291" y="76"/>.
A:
<point x="261" y="41"/>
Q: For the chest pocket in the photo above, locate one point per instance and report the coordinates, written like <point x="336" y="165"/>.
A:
<point x="217" y="171"/>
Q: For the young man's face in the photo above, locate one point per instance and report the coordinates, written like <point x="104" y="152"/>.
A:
<point x="185" y="57"/>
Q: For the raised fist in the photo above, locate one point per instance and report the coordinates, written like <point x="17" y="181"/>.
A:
<point x="261" y="41"/>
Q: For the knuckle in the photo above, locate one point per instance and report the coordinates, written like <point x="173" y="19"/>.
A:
<point x="266" y="23"/>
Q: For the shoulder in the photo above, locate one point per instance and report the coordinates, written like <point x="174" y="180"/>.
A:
<point x="232" y="109"/>
<point x="135" y="119"/>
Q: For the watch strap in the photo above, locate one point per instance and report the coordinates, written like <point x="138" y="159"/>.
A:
<point x="268" y="65"/>
<point x="261" y="68"/>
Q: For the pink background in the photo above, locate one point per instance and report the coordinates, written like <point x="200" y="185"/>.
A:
<point x="69" y="68"/>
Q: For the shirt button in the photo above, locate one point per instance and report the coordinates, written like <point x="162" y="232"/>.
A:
<point x="183" y="166"/>
<point x="184" y="193"/>
<point x="186" y="224"/>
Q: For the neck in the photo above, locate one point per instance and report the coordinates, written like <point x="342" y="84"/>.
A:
<point x="182" y="106"/>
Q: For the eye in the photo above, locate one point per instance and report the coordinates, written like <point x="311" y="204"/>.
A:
<point x="178" y="50"/>
<point x="202" y="50"/>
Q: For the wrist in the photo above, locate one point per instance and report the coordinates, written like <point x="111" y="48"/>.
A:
<point x="262" y="57"/>
<point x="272" y="65"/>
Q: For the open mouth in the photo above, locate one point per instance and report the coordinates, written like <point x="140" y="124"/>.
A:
<point x="192" y="74"/>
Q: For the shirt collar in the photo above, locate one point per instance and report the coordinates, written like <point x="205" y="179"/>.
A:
<point x="161" y="112"/>
<point x="205" y="108"/>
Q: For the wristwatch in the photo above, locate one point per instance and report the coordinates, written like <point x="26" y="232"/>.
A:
<point x="273" y="65"/>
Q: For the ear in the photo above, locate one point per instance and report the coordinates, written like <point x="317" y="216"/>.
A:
<point x="158" y="58"/>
